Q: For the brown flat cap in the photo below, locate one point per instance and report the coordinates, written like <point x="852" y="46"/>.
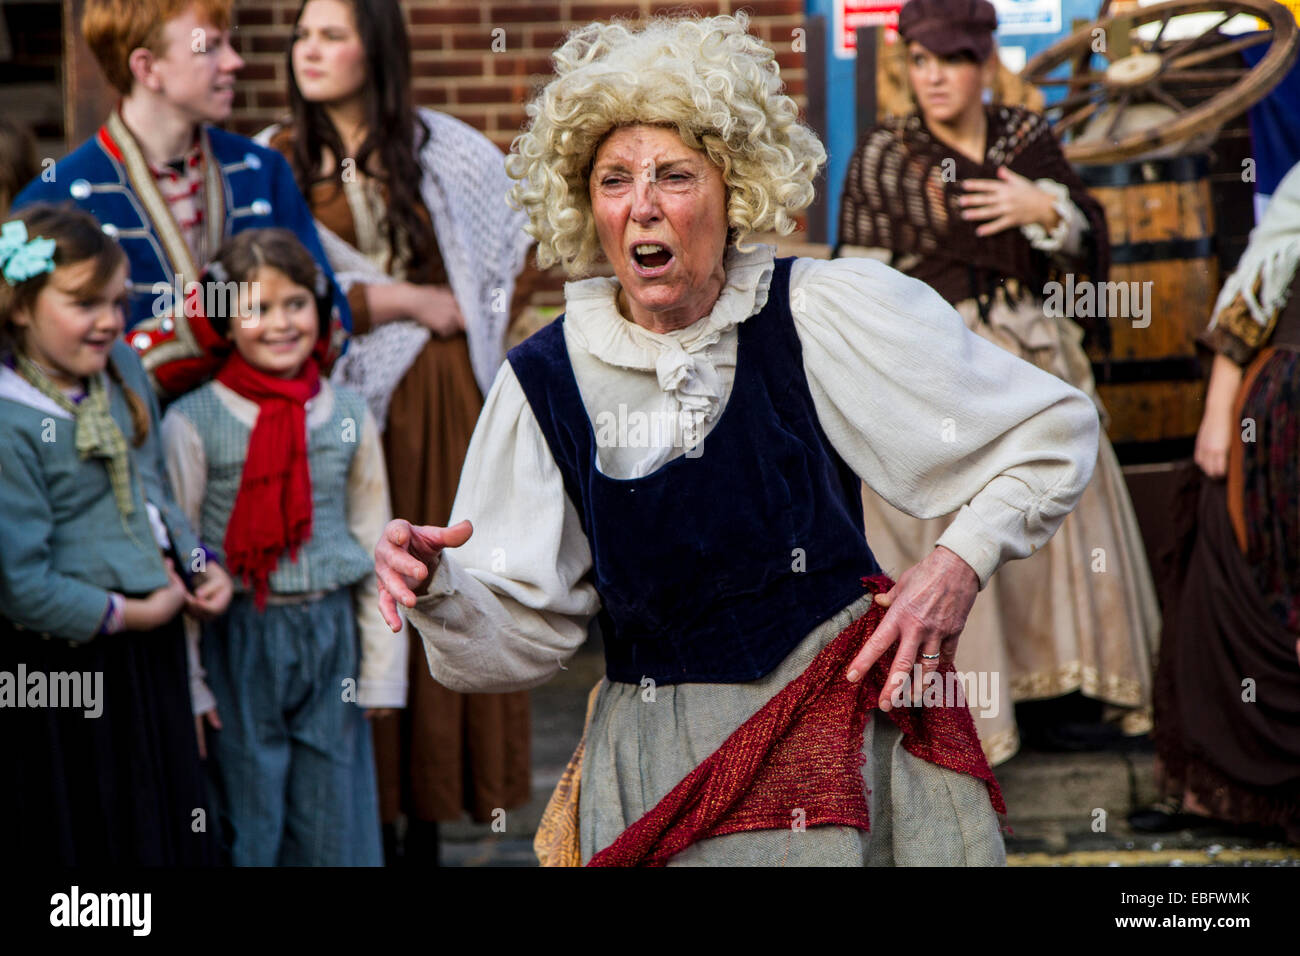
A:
<point x="945" y="27"/>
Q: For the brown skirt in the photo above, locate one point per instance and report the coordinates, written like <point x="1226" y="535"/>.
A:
<point x="445" y="753"/>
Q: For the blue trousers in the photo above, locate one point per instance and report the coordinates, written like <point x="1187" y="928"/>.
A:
<point x="293" y="765"/>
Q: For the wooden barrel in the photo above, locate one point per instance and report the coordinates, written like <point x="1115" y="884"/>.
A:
<point x="1160" y="219"/>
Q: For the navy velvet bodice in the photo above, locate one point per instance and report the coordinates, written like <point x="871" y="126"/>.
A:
<point x="715" y="566"/>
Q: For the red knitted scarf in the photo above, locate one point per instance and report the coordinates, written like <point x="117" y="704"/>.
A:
<point x="802" y="750"/>
<point x="272" y="512"/>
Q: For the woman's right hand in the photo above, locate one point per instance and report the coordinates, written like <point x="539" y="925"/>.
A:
<point x="405" y="559"/>
<point x="1218" y="425"/>
<point x="1213" y="441"/>
<point x="434" y="307"/>
<point x="145" y="614"/>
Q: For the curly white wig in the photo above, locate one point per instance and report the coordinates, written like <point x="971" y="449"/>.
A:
<point x="707" y="78"/>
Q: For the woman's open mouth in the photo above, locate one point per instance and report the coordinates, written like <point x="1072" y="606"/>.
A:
<point x="651" y="259"/>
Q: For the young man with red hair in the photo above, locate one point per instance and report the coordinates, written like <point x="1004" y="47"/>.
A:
<point x="164" y="181"/>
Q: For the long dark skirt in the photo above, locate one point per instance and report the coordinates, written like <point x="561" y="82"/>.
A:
<point x="1228" y="681"/>
<point x="115" y="781"/>
<point x="1270" y="484"/>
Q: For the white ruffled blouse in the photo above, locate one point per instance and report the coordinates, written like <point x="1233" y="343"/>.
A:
<point x="927" y="413"/>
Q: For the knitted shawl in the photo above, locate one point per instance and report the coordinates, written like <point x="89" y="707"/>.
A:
<point x="1271" y="257"/>
<point x="902" y="192"/>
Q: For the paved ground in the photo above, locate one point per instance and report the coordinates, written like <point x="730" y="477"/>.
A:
<point x="559" y="708"/>
<point x="1066" y="809"/>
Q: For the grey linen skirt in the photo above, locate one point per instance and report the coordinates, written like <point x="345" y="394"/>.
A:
<point x="641" y="744"/>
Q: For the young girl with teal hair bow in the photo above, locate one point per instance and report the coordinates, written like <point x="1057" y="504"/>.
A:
<point x="98" y="563"/>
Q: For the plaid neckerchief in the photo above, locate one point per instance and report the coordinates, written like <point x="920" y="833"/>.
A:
<point x="98" y="433"/>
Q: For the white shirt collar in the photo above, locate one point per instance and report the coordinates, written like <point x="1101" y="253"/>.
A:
<point x="17" y="389"/>
<point x="681" y="360"/>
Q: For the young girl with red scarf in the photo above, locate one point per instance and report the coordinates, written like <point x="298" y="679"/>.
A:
<point x="287" y="472"/>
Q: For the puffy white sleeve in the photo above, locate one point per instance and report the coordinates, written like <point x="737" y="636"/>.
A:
<point x="935" y="418"/>
<point x="505" y="611"/>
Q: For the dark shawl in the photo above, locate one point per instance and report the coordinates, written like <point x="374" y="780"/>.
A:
<point x="897" y="197"/>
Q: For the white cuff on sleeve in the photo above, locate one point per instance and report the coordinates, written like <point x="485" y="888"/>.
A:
<point x="1069" y="226"/>
<point x="965" y="538"/>
<point x="373" y="692"/>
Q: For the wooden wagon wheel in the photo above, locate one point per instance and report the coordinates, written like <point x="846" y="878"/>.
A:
<point x="1162" y="71"/>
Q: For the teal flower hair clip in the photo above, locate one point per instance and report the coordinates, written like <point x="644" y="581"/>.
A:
<point x="22" y="258"/>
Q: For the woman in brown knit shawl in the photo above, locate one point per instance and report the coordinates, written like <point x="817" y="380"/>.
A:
<point x="979" y="202"/>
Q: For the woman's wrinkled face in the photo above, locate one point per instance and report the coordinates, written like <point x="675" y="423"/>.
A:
<point x="945" y="86"/>
<point x="329" y="61"/>
<point x="661" y="216"/>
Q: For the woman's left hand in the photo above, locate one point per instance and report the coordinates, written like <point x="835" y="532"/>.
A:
<point x="928" y="606"/>
<point x="1010" y="201"/>
<point x="212" y="592"/>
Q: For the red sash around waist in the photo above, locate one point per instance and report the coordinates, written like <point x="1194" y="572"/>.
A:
<point x="803" y="749"/>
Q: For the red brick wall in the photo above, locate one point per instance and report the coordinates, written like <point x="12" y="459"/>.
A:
<point x="454" y="67"/>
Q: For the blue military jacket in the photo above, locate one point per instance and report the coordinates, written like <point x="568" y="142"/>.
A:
<point x="246" y="187"/>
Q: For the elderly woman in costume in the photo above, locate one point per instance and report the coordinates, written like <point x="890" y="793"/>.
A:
<point x="680" y="455"/>
<point x="979" y="202"/>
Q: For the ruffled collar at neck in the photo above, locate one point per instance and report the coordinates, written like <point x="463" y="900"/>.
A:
<point x="593" y="318"/>
<point x="681" y="360"/>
